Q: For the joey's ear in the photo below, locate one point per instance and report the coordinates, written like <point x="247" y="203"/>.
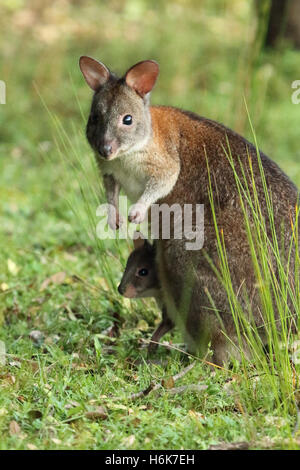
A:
<point x="138" y="240"/>
<point x="142" y="76"/>
<point x="94" y="72"/>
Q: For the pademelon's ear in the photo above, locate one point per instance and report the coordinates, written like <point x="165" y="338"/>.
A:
<point x="94" y="72"/>
<point x="138" y="240"/>
<point x="142" y="76"/>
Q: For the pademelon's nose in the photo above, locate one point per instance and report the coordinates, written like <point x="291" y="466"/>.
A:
<point x="107" y="150"/>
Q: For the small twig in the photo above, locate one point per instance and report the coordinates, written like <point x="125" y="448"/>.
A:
<point x="242" y="445"/>
<point x="184" y="388"/>
<point x="265" y="443"/>
<point x="152" y="386"/>
<point x="145" y="392"/>
<point x="183" y="372"/>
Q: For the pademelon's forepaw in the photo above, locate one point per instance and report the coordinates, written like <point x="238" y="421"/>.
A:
<point x="137" y="213"/>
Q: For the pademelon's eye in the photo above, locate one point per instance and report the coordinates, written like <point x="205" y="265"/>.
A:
<point x="127" y="120"/>
<point x="143" y="272"/>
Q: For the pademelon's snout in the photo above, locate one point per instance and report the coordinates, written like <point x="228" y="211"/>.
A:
<point x="108" y="149"/>
<point x="128" y="291"/>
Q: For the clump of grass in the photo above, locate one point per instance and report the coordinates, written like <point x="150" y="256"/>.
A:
<point x="277" y="280"/>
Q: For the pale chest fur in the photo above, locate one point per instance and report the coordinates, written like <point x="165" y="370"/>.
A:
<point x="128" y="171"/>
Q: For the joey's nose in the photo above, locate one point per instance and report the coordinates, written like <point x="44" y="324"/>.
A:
<point x="120" y="290"/>
<point x="107" y="150"/>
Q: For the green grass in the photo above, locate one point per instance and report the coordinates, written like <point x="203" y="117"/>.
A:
<point x="49" y="192"/>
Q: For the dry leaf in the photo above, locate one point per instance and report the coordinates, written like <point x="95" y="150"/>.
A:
<point x="196" y="415"/>
<point x="103" y="283"/>
<point x="136" y="421"/>
<point x="142" y="325"/>
<point x="34" y="414"/>
<point x="15" y="364"/>
<point x="57" y="278"/>
<point x="98" y="413"/>
<point x="40" y="300"/>
<point x="14" y="428"/>
<point x="168" y="383"/>
<point x="34" y="365"/>
<point x="239" y="406"/>
<point x="128" y="441"/>
<point x="36" y="336"/>
<point x="276" y="421"/>
<point x="56" y="441"/>
<point x="7" y="380"/>
<point x="31" y="447"/>
<point x="12" y="267"/>
<point x="70" y="257"/>
<point x="117" y="406"/>
<point x="72" y="404"/>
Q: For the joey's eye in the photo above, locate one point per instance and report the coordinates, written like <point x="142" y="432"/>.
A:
<point x="127" y="120"/>
<point x="143" y="272"/>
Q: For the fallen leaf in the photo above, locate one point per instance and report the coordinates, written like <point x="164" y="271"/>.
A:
<point x="70" y="257"/>
<point x="7" y="380"/>
<point x="53" y="339"/>
<point x="12" y="267"/>
<point x="196" y="415"/>
<point x="136" y="421"/>
<point x="117" y="406"/>
<point x="168" y="383"/>
<point x="14" y="428"/>
<point x="98" y="413"/>
<point x="31" y="447"/>
<point x="239" y="406"/>
<point x="57" y="278"/>
<point x="34" y="365"/>
<point x="72" y="404"/>
<point x="15" y="364"/>
<point x="39" y="300"/>
<point x="34" y="414"/>
<point x="103" y="283"/>
<point x="32" y="311"/>
<point x="142" y="325"/>
<point x="56" y="441"/>
<point x="277" y="421"/>
<point x="128" y="441"/>
<point x="36" y="336"/>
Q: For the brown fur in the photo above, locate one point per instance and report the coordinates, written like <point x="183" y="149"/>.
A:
<point x="181" y="270"/>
